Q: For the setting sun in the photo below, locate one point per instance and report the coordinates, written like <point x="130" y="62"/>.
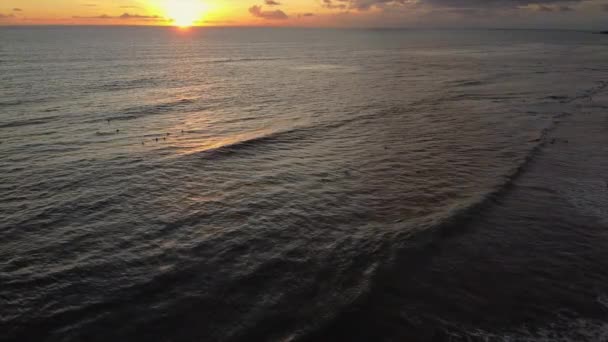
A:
<point x="184" y="13"/>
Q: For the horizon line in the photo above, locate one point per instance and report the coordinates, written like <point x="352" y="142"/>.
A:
<point x="299" y="27"/>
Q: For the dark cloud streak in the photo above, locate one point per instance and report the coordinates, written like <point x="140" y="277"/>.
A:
<point x="257" y="11"/>
<point x="495" y="3"/>
<point x="124" y="16"/>
<point x="364" y="5"/>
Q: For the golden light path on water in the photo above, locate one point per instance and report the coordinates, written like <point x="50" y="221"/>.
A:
<point x="201" y="145"/>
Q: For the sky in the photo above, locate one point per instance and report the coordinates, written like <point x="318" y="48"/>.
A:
<point x="568" y="14"/>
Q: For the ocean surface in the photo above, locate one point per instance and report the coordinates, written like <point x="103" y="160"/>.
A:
<point x="264" y="184"/>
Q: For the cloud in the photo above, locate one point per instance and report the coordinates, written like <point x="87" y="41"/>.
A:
<point x="102" y="16"/>
<point x="336" y="4"/>
<point x="138" y="16"/>
<point x="495" y="3"/>
<point x="125" y="16"/>
<point x="364" y="5"/>
<point x="17" y="10"/>
<point x="543" y="8"/>
<point x="257" y="11"/>
<point x="551" y="8"/>
<point x="305" y="15"/>
<point x="3" y="16"/>
<point x="272" y="3"/>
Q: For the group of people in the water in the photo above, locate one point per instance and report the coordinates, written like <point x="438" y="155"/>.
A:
<point x="143" y="142"/>
<point x="164" y="137"/>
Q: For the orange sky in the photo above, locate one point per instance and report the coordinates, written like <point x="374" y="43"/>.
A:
<point x="156" y="12"/>
<point x="342" y="13"/>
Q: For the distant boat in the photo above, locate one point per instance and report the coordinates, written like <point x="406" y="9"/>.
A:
<point x="603" y="32"/>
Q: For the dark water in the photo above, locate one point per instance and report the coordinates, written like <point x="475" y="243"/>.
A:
<point x="323" y="185"/>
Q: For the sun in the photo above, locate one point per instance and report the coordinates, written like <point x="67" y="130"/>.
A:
<point x="184" y="13"/>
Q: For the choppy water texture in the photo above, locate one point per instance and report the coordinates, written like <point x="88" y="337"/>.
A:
<point x="322" y="185"/>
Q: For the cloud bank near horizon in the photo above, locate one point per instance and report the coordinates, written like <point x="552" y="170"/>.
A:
<point x="341" y="13"/>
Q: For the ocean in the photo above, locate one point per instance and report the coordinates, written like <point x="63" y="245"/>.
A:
<point x="265" y="184"/>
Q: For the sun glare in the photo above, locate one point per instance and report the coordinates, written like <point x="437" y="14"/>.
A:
<point x="184" y="13"/>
